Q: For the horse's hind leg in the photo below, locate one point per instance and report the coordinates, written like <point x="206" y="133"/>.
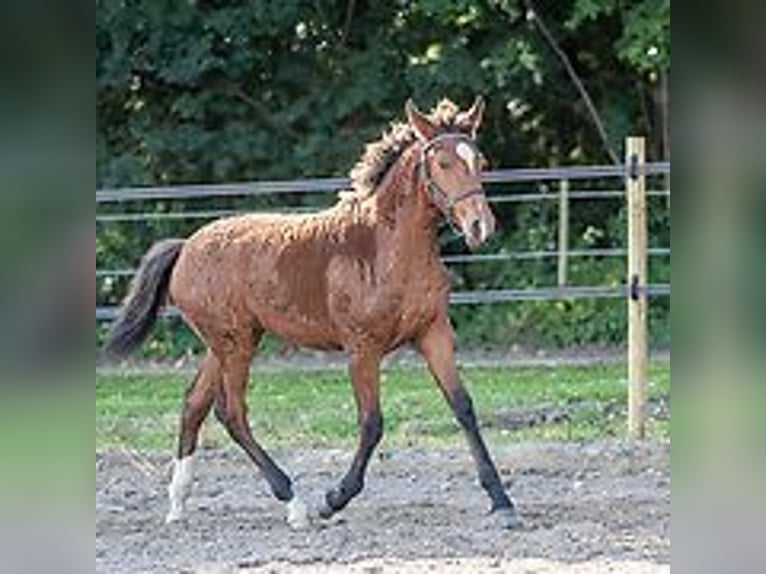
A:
<point x="231" y="410"/>
<point x="199" y="398"/>
<point x="365" y="378"/>
<point x="437" y="347"/>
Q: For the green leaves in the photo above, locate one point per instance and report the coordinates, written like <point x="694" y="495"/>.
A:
<point x="645" y="42"/>
<point x="645" y="39"/>
<point x="232" y="90"/>
<point x="298" y="74"/>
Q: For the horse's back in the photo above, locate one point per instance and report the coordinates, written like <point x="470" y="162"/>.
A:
<point x="213" y="274"/>
<point x="258" y="270"/>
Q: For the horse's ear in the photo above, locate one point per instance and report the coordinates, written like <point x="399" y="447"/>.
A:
<point x="423" y="127"/>
<point x="470" y="120"/>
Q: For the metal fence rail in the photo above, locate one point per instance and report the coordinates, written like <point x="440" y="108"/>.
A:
<point x="337" y="183"/>
<point x="494" y="296"/>
<point x="478" y="258"/>
<point x="492" y="198"/>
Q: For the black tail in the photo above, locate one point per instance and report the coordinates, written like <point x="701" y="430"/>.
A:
<point x="145" y="298"/>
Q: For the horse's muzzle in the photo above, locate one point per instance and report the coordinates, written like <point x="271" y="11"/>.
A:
<point x="477" y="226"/>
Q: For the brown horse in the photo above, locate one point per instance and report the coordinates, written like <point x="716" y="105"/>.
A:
<point x="363" y="276"/>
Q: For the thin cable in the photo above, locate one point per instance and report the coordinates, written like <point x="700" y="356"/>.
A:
<point x="532" y="15"/>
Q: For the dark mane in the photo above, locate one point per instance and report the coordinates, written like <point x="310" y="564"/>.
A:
<point x="380" y="155"/>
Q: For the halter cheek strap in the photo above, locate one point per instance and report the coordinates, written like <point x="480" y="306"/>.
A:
<point x="443" y="201"/>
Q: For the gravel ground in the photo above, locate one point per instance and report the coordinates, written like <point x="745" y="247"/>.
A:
<point x="594" y="507"/>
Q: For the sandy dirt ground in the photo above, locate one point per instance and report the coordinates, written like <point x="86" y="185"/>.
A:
<point x="464" y="565"/>
<point x="594" y="507"/>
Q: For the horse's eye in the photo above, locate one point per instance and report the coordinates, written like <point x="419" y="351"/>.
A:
<point x="444" y="163"/>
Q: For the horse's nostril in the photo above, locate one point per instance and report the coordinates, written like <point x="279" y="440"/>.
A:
<point x="476" y="229"/>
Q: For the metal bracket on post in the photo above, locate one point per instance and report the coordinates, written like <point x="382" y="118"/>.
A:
<point x="633" y="167"/>
<point x="635" y="288"/>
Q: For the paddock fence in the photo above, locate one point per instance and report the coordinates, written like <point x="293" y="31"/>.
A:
<point x="634" y="182"/>
<point x="563" y="176"/>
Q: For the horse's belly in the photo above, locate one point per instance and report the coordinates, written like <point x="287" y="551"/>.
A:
<point x="301" y="331"/>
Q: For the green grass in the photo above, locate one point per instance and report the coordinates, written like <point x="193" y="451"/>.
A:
<point x="317" y="408"/>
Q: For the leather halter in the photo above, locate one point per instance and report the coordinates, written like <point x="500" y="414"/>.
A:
<point x="443" y="201"/>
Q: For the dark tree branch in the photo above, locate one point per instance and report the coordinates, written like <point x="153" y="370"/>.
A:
<point x="347" y="22"/>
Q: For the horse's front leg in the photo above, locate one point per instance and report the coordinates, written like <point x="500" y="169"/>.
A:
<point x="365" y="379"/>
<point x="436" y="346"/>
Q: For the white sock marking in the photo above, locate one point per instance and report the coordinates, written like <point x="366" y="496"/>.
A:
<point x="298" y="514"/>
<point x="179" y="488"/>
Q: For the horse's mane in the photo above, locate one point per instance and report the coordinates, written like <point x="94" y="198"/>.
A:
<point x="380" y="155"/>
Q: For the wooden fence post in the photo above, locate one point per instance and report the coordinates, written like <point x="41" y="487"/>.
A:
<point x="563" y="232"/>
<point x="638" y="360"/>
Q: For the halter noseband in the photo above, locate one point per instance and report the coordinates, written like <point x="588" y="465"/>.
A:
<point x="443" y="201"/>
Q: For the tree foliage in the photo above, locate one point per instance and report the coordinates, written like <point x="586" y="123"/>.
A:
<point x="195" y="91"/>
<point x="229" y="90"/>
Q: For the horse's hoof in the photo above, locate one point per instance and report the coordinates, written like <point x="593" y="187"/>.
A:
<point x="298" y="514"/>
<point x="174" y="516"/>
<point x="506" y="518"/>
<point x="324" y="511"/>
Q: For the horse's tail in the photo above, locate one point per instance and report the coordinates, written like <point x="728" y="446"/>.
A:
<point x="145" y="298"/>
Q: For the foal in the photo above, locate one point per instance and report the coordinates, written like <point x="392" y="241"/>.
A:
<point x="363" y="276"/>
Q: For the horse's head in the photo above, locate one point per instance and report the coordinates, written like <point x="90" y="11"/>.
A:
<point x="450" y="167"/>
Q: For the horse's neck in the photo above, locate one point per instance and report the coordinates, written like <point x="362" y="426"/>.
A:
<point x="406" y="222"/>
